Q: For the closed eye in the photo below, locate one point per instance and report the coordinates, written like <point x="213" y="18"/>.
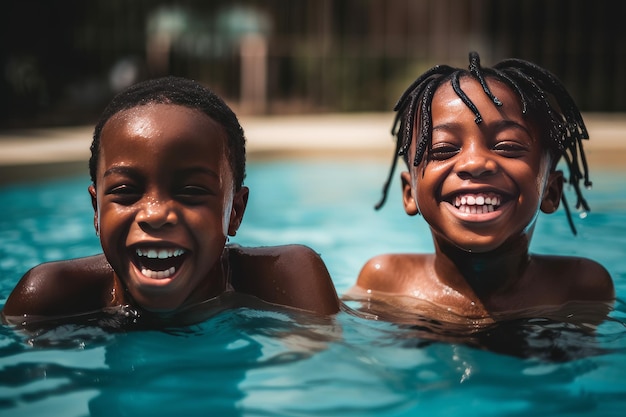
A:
<point x="193" y="194"/>
<point x="124" y="194"/>
<point x="442" y="151"/>
<point x="510" y="149"/>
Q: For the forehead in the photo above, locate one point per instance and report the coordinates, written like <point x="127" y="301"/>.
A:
<point x="156" y="122"/>
<point x="511" y="103"/>
<point x="448" y="107"/>
<point x="162" y="141"/>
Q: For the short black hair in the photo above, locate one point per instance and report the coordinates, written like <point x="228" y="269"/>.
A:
<point x="542" y="96"/>
<point x="183" y="92"/>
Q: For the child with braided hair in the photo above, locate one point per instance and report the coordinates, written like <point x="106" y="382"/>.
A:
<point x="481" y="147"/>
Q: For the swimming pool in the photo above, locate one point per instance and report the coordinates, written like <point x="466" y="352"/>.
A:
<point x="249" y="362"/>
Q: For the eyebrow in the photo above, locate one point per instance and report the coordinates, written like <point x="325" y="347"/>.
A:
<point x="122" y="170"/>
<point x="503" y="124"/>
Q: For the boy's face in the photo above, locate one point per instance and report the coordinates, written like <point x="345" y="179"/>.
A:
<point x="481" y="185"/>
<point x="165" y="202"/>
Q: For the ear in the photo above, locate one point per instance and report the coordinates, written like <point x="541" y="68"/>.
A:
<point x="240" y="201"/>
<point x="552" y="193"/>
<point x="94" y="204"/>
<point x="410" y="205"/>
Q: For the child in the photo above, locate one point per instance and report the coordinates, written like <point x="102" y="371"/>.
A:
<point x="482" y="148"/>
<point x="167" y="170"/>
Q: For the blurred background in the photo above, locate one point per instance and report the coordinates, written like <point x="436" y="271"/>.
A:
<point x="62" y="60"/>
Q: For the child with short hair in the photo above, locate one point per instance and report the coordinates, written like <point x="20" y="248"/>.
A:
<point x="482" y="147"/>
<point x="167" y="170"/>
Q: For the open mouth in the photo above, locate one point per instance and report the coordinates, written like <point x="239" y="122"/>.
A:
<point x="158" y="263"/>
<point x="477" y="203"/>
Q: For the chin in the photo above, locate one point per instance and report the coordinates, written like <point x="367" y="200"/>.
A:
<point x="491" y="246"/>
<point x="478" y="246"/>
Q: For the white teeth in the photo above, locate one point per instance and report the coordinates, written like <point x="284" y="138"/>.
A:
<point x="477" y="203"/>
<point x="476" y="209"/>
<point x="160" y="254"/>
<point x="158" y="274"/>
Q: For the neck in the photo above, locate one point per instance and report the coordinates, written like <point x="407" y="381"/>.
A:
<point x="215" y="285"/>
<point x="481" y="275"/>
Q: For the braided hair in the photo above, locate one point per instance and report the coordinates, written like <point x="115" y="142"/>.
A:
<point x="183" y="92"/>
<point x="542" y="96"/>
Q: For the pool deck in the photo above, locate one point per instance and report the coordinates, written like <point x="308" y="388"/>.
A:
<point x="28" y="154"/>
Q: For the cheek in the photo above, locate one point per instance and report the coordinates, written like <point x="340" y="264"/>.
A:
<point x="533" y="178"/>
<point x="428" y="179"/>
<point x="426" y="197"/>
<point x="207" y="222"/>
<point x="226" y="209"/>
<point x="545" y="169"/>
<point x="226" y="217"/>
<point x="112" y="218"/>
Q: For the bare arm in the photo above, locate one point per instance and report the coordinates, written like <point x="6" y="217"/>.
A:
<point x="60" y="288"/>
<point x="292" y="275"/>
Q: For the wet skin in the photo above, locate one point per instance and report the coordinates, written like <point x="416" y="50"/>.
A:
<point x="480" y="188"/>
<point x="164" y="203"/>
<point x="481" y="185"/>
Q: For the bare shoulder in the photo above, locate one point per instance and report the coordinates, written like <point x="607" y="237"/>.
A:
<point x="290" y="275"/>
<point x="593" y="281"/>
<point x="60" y="288"/>
<point x="376" y="272"/>
<point x="585" y="279"/>
<point x="391" y="272"/>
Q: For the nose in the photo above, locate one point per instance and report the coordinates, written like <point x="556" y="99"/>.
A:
<point x="476" y="161"/>
<point x="157" y="213"/>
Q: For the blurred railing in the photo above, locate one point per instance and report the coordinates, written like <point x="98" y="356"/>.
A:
<point x="61" y="64"/>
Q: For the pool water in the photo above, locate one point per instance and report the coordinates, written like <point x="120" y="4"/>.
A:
<point x="259" y="362"/>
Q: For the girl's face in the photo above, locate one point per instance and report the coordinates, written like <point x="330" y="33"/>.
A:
<point x="165" y="202"/>
<point x="481" y="185"/>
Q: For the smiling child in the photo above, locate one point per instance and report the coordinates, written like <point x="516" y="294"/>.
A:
<point x="481" y="147"/>
<point x="167" y="171"/>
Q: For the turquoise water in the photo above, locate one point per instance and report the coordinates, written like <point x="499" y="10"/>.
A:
<point x="251" y="362"/>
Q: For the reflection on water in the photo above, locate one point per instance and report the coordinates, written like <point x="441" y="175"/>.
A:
<point x="555" y="334"/>
<point x="188" y="370"/>
<point x="248" y="361"/>
<point x="261" y="361"/>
